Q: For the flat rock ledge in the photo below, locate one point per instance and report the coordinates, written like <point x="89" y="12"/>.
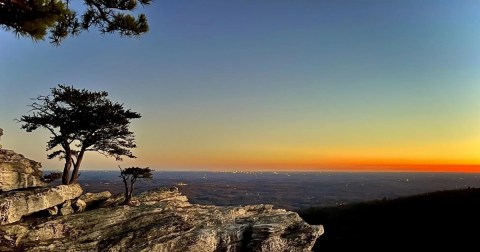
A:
<point x="16" y="204"/>
<point x="164" y="221"/>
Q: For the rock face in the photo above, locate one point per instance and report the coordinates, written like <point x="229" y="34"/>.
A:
<point x="16" y="204"/>
<point x="165" y="221"/>
<point x="16" y="171"/>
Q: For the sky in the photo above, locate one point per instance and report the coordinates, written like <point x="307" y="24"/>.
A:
<point x="280" y="85"/>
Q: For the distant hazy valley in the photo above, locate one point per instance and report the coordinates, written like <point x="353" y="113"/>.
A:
<point x="286" y="190"/>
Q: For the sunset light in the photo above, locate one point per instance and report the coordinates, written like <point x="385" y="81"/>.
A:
<point x="306" y="86"/>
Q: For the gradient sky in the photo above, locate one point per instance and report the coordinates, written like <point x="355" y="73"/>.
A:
<point x="381" y="85"/>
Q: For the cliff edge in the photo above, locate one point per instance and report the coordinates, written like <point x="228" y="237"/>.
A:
<point x="59" y="218"/>
<point x="164" y="220"/>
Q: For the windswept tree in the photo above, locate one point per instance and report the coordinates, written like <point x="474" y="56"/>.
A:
<point x="79" y="121"/>
<point x="37" y="18"/>
<point x="130" y="175"/>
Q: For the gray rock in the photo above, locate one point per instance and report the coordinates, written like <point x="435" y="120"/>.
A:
<point x="115" y="200"/>
<point x="17" y="172"/>
<point x="171" y="195"/>
<point x="165" y="224"/>
<point x="95" y="198"/>
<point x="151" y="197"/>
<point x="15" y="204"/>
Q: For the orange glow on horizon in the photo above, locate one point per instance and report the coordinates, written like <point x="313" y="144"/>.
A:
<point x="411" y="156"/>
<point x="294" y="165"/>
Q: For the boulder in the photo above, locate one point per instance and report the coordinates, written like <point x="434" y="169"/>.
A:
<point x="113" y="201"/>
<point x="17" y="172"/>
<point x="95" y="198"/>
<point x="162" y="223"/>
<point x="79" y="206"/>
<point x="66" y="208"/>
<point x="15" y="204"/>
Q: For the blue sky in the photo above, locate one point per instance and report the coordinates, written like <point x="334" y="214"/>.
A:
<point x="271" y="83"/>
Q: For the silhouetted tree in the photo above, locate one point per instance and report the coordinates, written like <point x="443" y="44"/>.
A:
<point x="36" y="18"/>
<point x="131" y="174"/>
<point x="81" y="121"/>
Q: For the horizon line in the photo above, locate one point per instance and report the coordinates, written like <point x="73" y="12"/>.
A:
<point x="363" y="168"/>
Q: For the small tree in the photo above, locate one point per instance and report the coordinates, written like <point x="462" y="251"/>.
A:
<point x="81" y="121"/>
<point x="131" y="174"/>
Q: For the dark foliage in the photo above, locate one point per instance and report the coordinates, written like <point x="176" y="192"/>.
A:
<point x="52" y="176"/>
<point x="433" y="221"/>
<point x="79" y="121"/>
<point x="37" y="18"/>
<point x="130" y="175"/>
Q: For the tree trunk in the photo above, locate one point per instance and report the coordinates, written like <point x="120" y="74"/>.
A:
<point x="131" y="191"/>
<point x="74" y="177"/>
<point x="127" y="193"/>
<point x="66" y="169"/>
<point x="132" y="186"/>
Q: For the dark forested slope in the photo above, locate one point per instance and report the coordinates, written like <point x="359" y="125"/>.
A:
<point x="433" y="221"/>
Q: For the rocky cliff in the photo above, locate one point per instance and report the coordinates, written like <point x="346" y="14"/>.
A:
<point x="164" y="220"/>
<point x="16" y="204"/>
<point x="16" y="171"/>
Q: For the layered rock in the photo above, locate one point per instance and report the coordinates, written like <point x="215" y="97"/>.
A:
<point x="95" y="198"/>
<point x="165" y="221"/>
<point x="16" y="204"/>
<point x="17" y="172"/>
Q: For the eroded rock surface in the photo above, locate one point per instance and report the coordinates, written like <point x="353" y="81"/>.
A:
<point x="16" y="204"/>
<point x="95" y="198"/>
<point x="165" y="221"/>
<point x="17" y="172"/>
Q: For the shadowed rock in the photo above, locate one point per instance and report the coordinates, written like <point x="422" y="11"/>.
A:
<point x="95" y="198"/>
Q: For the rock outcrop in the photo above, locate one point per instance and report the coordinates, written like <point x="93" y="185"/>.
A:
<point x="95" y="198"/>
<point x="16" y="204"/>
<point x="164" y="221"/>
<point x="17" y="172"/>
